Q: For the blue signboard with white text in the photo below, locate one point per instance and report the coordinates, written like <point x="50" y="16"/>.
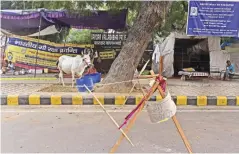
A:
<point x="213" y="18"/>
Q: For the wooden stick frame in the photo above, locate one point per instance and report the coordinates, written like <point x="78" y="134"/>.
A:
<point x="156" y="86"/>
<point x="132" y="121"/>
<point x="131" y="90"/>
<point x="113" y="120"/>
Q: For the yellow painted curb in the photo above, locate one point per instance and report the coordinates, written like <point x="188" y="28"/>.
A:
<point x="221" y="100"/>
<point x="100" y="98"/>
<point x="34" y="100"/>
<point x="138" y="99"/>
<point x="237" y="103"/>
<point x="181" y="100"/>
<point x="159" y="98"/>
<point x="12" y="100"/>
<point x="77" y="100"/>
<point x="201" y="100"/>
<point x="119" y="100"/>
<point x="55" y="100"/>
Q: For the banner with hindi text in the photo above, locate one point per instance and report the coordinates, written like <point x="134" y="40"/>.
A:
<point x="22" y="51"/>
<point x="213" y="18"/>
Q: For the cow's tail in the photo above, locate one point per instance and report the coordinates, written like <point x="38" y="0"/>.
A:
<point x="57" y="62"/>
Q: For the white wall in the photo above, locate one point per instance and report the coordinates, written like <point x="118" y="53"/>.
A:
<point x="218" y="59"/>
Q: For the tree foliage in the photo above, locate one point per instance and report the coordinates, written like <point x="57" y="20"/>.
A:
<point x="227" y="39"/>
<point x="73" y="6"/>
<point x="174" y="21"/>
<point x="80" y="36"/>
<point x="150" y="16"/>
<point x="58" y="37"/>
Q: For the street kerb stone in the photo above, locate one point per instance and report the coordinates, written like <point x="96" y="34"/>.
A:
<point x="231" y="100"/>
<point x="131" y="100"/>
<point x="23" y="99"/>
<point x="45" y="99"/>
<point x="111" y="99"/>
<point x="211" y="100"/>
<point x="191" y="100"/>
<point x="153" y="98"/>
<point x="3" y="99"/>
<point x="87" y="100"/>
<point x="66" y="99"/>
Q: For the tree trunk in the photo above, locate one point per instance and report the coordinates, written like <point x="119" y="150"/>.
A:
<point x="150" y="16"/>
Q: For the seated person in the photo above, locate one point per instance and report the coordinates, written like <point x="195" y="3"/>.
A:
<point x="230" y="70"/>
<point x="10" y="66"/>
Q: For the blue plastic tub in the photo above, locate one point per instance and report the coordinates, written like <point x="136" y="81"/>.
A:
<point x="84" y="81"/>
<point x="96" y="77"/>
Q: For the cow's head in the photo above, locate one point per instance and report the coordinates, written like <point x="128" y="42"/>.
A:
<point x="93" y="53"/>
<point x="86" y="58"/>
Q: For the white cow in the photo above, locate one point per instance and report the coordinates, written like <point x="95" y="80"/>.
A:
<point x="73" y="65"/>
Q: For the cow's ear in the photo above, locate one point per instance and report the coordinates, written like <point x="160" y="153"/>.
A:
<point x="91" y="50"/>
<point x="96" y="54"/>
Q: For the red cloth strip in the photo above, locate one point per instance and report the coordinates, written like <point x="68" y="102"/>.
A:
<point x="162" y="83"/>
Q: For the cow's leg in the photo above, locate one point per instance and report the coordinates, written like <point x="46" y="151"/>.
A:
<point x="73" y="78"/>
<point x="61" y="76"/>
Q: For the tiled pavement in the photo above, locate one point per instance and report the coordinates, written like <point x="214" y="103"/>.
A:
<point x="206" y="88"/>
<point x="175" y="86"/>
<point x="27" y="75"/>
<point x="204" y="91"/>
<point x="21" y="88"/>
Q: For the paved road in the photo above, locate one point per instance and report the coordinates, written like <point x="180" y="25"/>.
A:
<point x="78" y="130"/>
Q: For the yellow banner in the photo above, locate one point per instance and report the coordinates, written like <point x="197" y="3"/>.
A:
<point x="22" y="52"/>
<point x="107" y="55"/>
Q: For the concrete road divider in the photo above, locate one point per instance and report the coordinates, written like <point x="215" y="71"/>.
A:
<point x="36" y="99"/>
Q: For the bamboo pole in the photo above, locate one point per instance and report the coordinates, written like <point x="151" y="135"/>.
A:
<point x="161" y="65"/>
<point x="132" y="121"/>
<point x="179" y="128"/>
<point x="131" y="90"/>
<point x="147" y="76"/>
<point x="117" y="125"/>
